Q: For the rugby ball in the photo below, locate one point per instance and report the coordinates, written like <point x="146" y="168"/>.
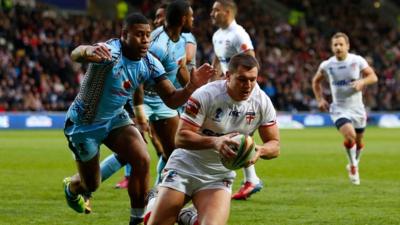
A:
<point x="244" y="152"/>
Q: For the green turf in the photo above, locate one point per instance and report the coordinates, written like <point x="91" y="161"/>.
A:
<point x="306" y="185"/>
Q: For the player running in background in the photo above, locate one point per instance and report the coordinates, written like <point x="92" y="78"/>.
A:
<point x="348" y="74"/>
<point x="194" y="170"/>
<point x="229" y="40"/>
<point x="190" y="49"/>
<point x="116" y="68"/>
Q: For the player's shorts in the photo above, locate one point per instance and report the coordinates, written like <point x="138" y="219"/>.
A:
<point x="189" y="184"/>
<point x="158" y="111"/>
<point x="85" y="140"/>
<point x="356" y="115"/>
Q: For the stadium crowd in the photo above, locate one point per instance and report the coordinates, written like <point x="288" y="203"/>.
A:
<point x="37" y="74"/>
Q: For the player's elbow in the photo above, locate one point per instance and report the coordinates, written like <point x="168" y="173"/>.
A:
<point x="272" y="152"/>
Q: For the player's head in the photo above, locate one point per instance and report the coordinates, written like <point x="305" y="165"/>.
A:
<point x="179" y="13"/>
<point x="160" y="15"/>
<point x="340" y="45"/>
<point x="136" y="34"/>
<point x="223" y="13"/>
<point x="242" y="76"/>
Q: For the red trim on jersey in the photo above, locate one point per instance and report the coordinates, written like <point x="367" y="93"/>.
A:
<point x="190" y="122"/>
<point x="268" y="124"/>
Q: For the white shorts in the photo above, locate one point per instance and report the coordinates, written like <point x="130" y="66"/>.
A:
<point x="357" y="115"/>
<point x="189" y="184"/>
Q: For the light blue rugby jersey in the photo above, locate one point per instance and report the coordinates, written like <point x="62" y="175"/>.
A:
<point x="107" y="86"/>
<point x="189" y="38"/>
<point x="169" y="53"/>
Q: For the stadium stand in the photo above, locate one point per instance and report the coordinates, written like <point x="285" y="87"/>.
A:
<point x="37" y="74"/>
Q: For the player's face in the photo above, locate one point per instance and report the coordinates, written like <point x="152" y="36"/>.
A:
<point x="187" y="26"/>
<point x="242" y="83"/>
<point x="340" y="47"/>
<point x="137" y="39"/>
<point x="160" y="17"/>
<point x="218" y="15"/>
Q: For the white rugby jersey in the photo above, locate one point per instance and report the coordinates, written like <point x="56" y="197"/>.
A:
<point x="216" y="113"/>
<point x="340" y="75"/>
<point x="230" y="41"/>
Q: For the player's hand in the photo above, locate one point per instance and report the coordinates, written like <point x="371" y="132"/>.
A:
<point x="97" y="53"/>
<point x="255" y="158"/>
<point x="358" y="85"/>
<point x="323" y="105"/>
<point x="222" y="145"/>
<point x="201" y="75"/>
<point x="143" y="128"/>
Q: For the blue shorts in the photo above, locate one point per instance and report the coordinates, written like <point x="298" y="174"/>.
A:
<point x="158" y="111"/>
<point x="85" y="140"/>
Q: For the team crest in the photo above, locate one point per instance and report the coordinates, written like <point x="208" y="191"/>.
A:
<point x="192" y="107"/>
<point x="353" y="66"/>
<point x="250" y="116"/>
<point x="127" y="85"/>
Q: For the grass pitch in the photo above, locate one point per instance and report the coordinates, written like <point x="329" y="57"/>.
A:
<point x="307" y="184"/>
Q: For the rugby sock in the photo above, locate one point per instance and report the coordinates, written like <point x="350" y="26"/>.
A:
<point x="250" y="175"/>
<point x="360" y="148"/>
<point x="128" y="169"/>
<point x="160" y="167"/>
<point x="351" y="152"/>
<point x="109" y="166"/>
<point x="137" y="214"/>
<point x="188" y="219"/>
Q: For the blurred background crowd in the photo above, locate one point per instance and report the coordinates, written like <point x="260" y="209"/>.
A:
<point x="290" y="37"/>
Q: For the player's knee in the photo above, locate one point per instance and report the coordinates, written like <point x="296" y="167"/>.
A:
<point x="142" y="163"/>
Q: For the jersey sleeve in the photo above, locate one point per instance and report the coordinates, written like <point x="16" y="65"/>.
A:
<point x="189" y="38"/>
<point x="196" y="108"/>
<point x="362" y="63"/>
<point x="322" y="67"/>
<point x="268" y="112"/>
<point x="243" y="41"/>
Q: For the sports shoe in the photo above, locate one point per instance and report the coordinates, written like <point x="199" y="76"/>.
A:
<point x="187" y="216"/>
<point x="123" y="184"/>
<point x="247" y="189"/>
<point x="353" y="174"/>
<point x="78" y="203"/>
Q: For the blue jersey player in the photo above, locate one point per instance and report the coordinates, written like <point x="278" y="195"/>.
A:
<point x="116" y="68"/>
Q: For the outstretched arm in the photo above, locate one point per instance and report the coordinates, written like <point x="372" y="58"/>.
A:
<point x="174" y="98"/>
<point x="91" y="53"/>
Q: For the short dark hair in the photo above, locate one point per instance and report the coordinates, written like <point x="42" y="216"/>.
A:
<point x="341" y="34"/>
<point x="243" y="60"/>
<point x="134" y="18"/>
<point x="175" y="11"/>
<point x="229" y="4"/>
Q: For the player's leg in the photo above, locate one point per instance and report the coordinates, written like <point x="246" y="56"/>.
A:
<point x="251" y="184"/>
<point x="348" y="132"/>
<point x="165" y="129"/>
<point x="128" y="143"/>
<point x="166" y="207"/>
<point x="110" y="165"/>
<point x="155" y="140"/>
<point x="359" y="143"/>
<point x="213" y="206"/>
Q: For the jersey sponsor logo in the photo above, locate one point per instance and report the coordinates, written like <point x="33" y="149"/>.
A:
<point x="341" y="67"/>
<point x="341" y="83"/>
<point x="192" y="107"/>
<point x="234" y="113"/>
<point x="250" y="116"/>
<point x="217" y="116"/>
